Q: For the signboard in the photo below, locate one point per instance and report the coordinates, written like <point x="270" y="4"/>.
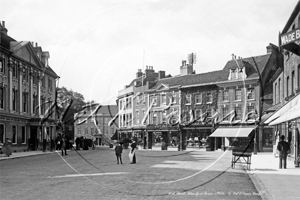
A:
<point x="290" y="37"/>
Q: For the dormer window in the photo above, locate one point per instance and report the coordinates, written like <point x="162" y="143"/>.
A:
<point x="233" y="74"/>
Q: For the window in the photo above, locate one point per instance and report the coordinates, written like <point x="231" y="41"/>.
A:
<point x="250" y="108"/>
<point x="188" y="99"/>
<point x="137" y="101"/>
<point x="154" y="100"/>
<point x="2" y="97"/>
<point x="163" y="99"/>
<point x="208" y="97"/>
<point x="2" y="66"/>
<point x="2" y="133"/>
<point x="34" y="104"/>
<point x="293" y="80"/>
<point x="233" y="74"/>
<point x="174" y="97"/>
<point x="154" y="118"/>
<point x="23" y="135"/>
<point x="240" y="73"/>
<point x="238" y="94"/>
<point x="187" y="117"/>
<point x="14" y="71"/>
<point x="26" y="75"/>
<point x="225" y="111"/>
<point x="42" y="105"/>
<point x="287" y="86"/>
<point x="238" y="113"/>
<point x="25" y="101"/>
<point x="164" y="117"/>
<point x="50" y="84"/>
<point x="198" y="98"/>
<point x="86" y="131"/>
<point x="198" y="114"/>
<point x="250" y="93"/>
<point x="279" y="97"/>
<point x="137" y="117"/>
<point x="14" y="134"/>
<point x="144" y="99"/>
<point x="14" y="99"/>
<point x="92" y="131"/>
<point x="225" y="95"/>
<point x="275" y="92"/>
<point x="121" y="104"/>
<point x="209" y="113"/>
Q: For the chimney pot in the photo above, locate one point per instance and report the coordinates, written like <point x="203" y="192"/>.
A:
<point x="3" y="24"/>
<point x="36" y="44"/>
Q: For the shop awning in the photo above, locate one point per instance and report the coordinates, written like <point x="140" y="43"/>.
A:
<point x="292" y="113"/>
<point x="232" y="132"/>
<point x="289" y="111"/>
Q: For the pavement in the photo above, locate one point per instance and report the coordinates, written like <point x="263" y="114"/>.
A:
<point x="274" y="183"/>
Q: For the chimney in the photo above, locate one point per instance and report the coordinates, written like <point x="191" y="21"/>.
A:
<point x="232" y="56"/>
<point x="3" y="29"/>
<point x="161" y="74"/>
<point x="271" y="48"/>
<point x="186" y="69"/>
<point x="36" y="44"/>
<point x="139" y="73"/>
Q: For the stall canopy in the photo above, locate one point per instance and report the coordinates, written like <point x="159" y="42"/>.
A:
<point x="288" y="112"/>
<point x="232" y="132"/>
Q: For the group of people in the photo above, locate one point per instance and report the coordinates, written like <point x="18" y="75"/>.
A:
<point x="84" y="143"/>
<point x="132" y="156"/>
<point x="62" y="144"/>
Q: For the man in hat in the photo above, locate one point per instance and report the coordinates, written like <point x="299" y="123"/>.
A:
<point x="118" y="150"/>
<point x="283" y="147"/>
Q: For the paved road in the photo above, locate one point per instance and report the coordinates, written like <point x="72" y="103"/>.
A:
<point x="96" y="175"/>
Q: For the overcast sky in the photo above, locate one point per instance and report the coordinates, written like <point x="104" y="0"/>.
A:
<point x="97" y="46"/>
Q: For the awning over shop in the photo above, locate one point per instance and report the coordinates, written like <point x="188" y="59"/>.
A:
<point x="292" y="113"/>
<point x="232" y="132"/>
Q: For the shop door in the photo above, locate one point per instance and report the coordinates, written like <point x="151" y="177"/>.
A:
<point x="33" y="138"/>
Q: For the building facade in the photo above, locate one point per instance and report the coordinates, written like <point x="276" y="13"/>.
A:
<point x="95" y="122"/>
<point x="27" y="90"/>
<point x="286" y="87"/>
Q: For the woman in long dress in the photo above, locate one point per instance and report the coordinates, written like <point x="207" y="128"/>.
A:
<point x="132" y="156"/>
<point x="7" y="146"/>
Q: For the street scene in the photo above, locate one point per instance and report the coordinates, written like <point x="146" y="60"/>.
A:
<point x="154" y="99"/>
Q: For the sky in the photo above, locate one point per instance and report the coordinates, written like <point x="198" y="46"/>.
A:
<point x="97" y="46"/>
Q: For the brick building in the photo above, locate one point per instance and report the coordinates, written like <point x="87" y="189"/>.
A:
<point x="26" y="81"/>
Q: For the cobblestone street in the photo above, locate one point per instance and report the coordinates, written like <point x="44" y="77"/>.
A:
<point x="96" y="175"/>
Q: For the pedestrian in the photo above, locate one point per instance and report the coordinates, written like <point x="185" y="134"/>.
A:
<point x="283" y="147"/>
<point x="7" y="147"/>
<point x="132" y="156"/>
<point x="63" y="147"/>
<point x="77" y="141"/>
<point x="118" y="150"/>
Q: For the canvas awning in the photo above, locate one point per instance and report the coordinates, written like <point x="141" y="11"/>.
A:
<point x="292" y="113"/>
<point x="289" y="111"/>
<point x="232" y="132"/>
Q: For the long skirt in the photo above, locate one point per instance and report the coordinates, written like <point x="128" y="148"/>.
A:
<point x="132" y="157"/>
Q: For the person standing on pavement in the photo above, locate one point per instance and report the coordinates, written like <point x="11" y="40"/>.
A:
<point x="283" y="147"/>
<point x="132" y="153"/>
<point x="63" y="143"/>
<point x="7" y="146"/>
<point x="118" y="150"/>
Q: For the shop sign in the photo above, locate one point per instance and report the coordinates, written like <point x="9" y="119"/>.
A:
<point x="290" y="37"/>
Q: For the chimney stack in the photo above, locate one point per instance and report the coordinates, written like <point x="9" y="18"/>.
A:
<point x="3" y="29"/>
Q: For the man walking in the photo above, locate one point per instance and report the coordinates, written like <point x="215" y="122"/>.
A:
<point x="283" y="147"/>
<point x="118" y="150"/>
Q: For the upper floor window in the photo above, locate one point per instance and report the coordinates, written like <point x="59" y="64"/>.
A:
<point x="137" y="117"/>
<point x="250" y="108"/>
<point x="164" y="117"/>
<point x="238" y="94"/>
<point x="137" y="101"/>
<point x="154" y="118"/>
<point x="25" y="101"/>
<point x="120" y="104"/>
<point x="188" y="99"/>
<point x="50" y="84"/>
<point x="250" y="93"/>
<point x="209" y="112"/>
<point x="209" y="97"/>
<point x="233" y="74"/>
<point x="14" y="99"/>
<point x="292" y="81"/>
<point x="279" y="97"/>
<point x="2" y="66"/>
<point x="287" y="86"/>
<point x="240" y="72"/>
<point x="275" y="93"/>
<point x="238" y="112"/>
<point x="14" y="71"/>
<point x="128" y="105"/>
<point x="154" y="100"/>
<point x="198" y="98"/>
<point x="163" y="99"/>
<point x="174" y="97"/>
<point x="225" y="111"/>
<point x="143" y="99"/>
<point x="2" y="97"/>
<point x="225" y="95"/>
<point x="198" y="114"/>
<point x="26" y="75"/>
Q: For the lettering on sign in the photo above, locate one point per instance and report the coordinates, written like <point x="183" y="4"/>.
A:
<point x="290" y="37"/>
